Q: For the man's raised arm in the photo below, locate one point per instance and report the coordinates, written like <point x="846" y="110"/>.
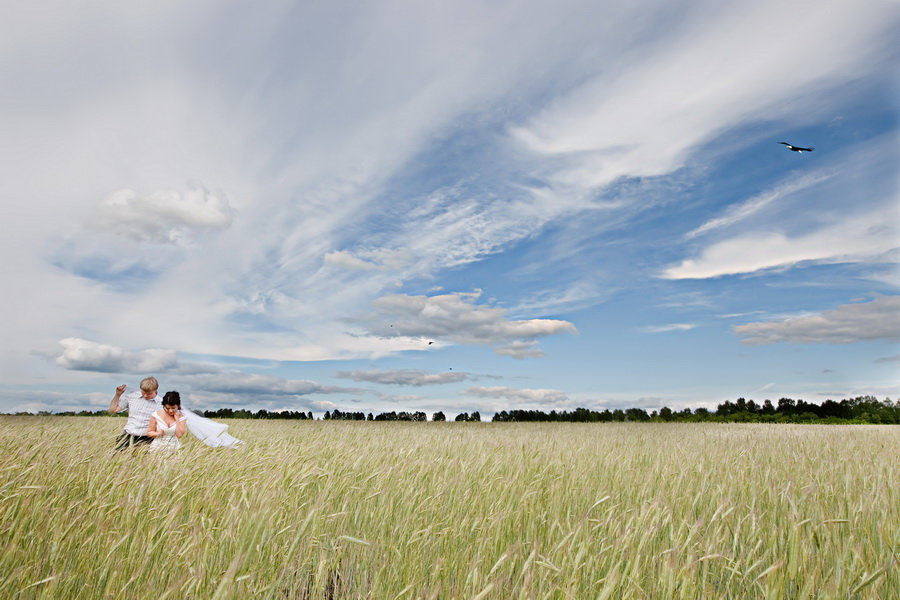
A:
<point x="114" y="403"/>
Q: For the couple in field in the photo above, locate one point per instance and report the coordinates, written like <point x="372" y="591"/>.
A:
<point x="160" y="423"/>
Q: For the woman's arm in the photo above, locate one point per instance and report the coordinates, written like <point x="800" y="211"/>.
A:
<point x="180" y="424"/>
<point x="152" y="431"/>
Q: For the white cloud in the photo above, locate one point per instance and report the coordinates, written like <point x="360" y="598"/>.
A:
<point x="642" y="117"/>
<point x="875" y="320"/>
<point x="412" y="377"/>
<point x="401" y="399"/>
<point x="645" y="402"/>
<point x="519" y="395"/>
<point x="670" y="327"/>
<point x="35" y="401"/>
<point x="520" y="349"/>
<point x="323" y="404"/>
<point x="252" y="384"/>
<point x="341" y="258"/>
<point x="163" y="217"/>
<point x="752" y="206"/>
<point x="578" y="295"/>
<point x="455" y="317"/>
<point x="85" y="355"/>
<point x="367" y="260"/>
<point x="868" y="237"/>
<point x="332" y="157"/>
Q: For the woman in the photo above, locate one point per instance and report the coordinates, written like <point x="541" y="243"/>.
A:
<point x="167" y="425"/>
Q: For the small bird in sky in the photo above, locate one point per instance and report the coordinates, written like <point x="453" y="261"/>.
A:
<point x="796" y="148"/>
<point x="430" y="343"/>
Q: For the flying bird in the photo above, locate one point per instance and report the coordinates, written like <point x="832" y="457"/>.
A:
<point x="796" y="148"/>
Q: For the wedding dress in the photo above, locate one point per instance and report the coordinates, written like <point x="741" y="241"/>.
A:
<point x="166" y="442"/>
<point x="208" y="431"/>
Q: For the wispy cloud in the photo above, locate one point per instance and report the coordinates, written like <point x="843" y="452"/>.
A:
<point x="611" y="126"/>
<point x="531" y="149"/>
<point x="411" y="377"/>
<point x="346" y="260"/>
<point x="752" y="206"/>
<point x="868" y="237"/>
<point x="670" y="327"/>
<point x="875" y="320"/>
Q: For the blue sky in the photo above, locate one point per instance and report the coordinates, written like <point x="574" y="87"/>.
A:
<point x="449" y="206"/>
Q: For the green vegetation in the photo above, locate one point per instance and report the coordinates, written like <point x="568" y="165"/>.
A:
<point x="863" y="409"/>
<point x="341" y="509"/>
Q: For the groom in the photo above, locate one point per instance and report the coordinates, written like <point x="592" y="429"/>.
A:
<point x="140" y="407"/>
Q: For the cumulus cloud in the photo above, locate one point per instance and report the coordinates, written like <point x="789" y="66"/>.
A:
<point x="875" y="320"/>
<point x="456" y="317"/>
<point x="518" y="395"/>
<point x="868" y="237"/>
<point x="520" y="349"/>
<point x="323" y="404"/>
<point x="252" y="384"/>
<point x="165" y="216"/>
<point x="411" y="377"/>
<point x="85" y="355"/>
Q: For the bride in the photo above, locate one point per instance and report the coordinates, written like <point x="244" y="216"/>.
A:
<point x="167" y="425"/>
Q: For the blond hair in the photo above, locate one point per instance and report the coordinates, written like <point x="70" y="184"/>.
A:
<point x="149" y="384"/>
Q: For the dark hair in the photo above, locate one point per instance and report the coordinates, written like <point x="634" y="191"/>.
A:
<point x="172" y="399"/>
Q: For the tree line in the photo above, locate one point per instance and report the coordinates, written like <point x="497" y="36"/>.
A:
<point x="862" y="409"/>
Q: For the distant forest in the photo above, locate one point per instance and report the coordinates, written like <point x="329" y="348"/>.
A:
<point x="863" y="409"/>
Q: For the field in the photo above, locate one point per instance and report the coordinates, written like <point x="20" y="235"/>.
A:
<point x="337" y="510"/>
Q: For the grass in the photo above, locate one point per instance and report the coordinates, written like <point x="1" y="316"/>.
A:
<point x="311" y="510"/>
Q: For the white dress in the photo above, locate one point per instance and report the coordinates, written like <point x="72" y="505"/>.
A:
<point x="167" y="442"/>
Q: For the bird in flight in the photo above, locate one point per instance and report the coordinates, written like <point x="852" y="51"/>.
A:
<point x="797" y="148"/>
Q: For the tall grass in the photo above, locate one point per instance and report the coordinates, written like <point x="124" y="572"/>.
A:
<point x="450" y="510"/>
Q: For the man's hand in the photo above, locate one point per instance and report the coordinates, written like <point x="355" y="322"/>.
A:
<point x="114" y="403"/>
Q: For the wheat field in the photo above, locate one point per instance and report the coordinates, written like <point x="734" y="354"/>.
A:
<point x="332" y="510"/>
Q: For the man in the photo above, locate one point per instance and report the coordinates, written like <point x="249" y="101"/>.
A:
<point x="140" y="407"/>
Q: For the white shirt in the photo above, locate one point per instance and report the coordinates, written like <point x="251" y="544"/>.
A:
<point x="139" y="411"/>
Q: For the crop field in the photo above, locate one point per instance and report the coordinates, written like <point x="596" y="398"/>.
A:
<point x="333" y="510"/>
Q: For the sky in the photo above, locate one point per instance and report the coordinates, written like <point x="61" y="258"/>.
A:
<point x="449" y="206"/>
